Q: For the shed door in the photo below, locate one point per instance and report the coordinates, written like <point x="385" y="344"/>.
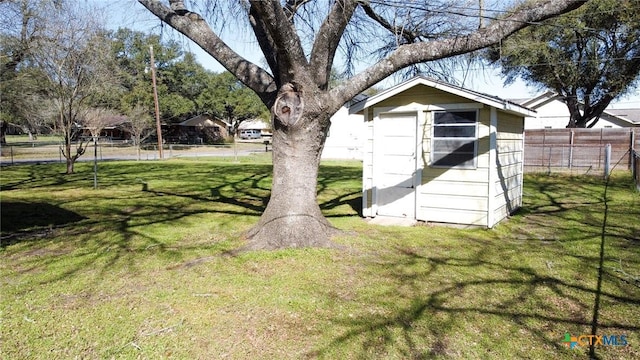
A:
<point x="395" y="160"/>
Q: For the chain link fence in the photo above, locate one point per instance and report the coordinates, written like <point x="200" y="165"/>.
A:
<point x="35" y="152"/>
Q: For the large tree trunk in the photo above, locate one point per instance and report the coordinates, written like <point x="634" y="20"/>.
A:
<point x="293" y="218"/>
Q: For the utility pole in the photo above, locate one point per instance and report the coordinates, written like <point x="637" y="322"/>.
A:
<point x="155" y="100"/>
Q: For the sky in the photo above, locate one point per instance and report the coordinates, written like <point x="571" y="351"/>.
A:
<point x="131" y="14"/>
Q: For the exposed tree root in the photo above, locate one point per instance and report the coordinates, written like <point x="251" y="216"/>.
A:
<point x="291" y="231"/>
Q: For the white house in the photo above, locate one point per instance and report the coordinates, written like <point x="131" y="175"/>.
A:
<point x="440" y="153"/>
<point x="552" y="113"/>
<point x="345" y="139"/>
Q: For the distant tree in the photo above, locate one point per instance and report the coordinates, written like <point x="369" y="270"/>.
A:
<point x="73" y="56"/>
<point x="20" y="26"/>
<point x="23" y="103"/>
<point x="300" y="41"/>
<point x="131" y="52"/>
<point x="140" y="124"/>
<point x="590" y="56"/>
<point x="185" y="87"/>
<point x="227" y="98"/>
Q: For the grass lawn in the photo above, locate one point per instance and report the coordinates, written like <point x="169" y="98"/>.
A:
<point x="119" y="272"/>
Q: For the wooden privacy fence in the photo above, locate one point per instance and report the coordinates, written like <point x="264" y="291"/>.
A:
<point x="579" y="149"/>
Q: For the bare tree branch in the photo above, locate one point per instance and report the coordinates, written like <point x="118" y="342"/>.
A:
<point x="195" y="28"/>
<point x="281" y="30"/>
<point x="265" y="41"/>
<point x="408" y="54"/>
<point x="292" y="7"/>
<point x="328" y="39"/>
<point x="408" y="35"/>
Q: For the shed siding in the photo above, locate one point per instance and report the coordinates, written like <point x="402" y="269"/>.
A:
<point x="510" y="155"/>
<point x="456" y="195"/>
<point x="367" y="170"/>
<point x="481" y="196"/>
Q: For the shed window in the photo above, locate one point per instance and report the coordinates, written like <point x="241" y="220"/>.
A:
<point x="455" y="139"/>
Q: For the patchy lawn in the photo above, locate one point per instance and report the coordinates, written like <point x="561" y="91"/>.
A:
<point x="142" y="268"/>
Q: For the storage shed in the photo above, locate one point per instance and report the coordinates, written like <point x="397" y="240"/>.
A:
<point x="440" y="153"/>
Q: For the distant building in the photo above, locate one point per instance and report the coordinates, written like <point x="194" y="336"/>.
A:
<point x="552" y="113"/>
<point x="255" y="124"/>
<point x="201" y="129"/>
<point x="346" y="136"/>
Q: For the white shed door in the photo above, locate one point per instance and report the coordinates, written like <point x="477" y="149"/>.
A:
<point x="395" y="161"/>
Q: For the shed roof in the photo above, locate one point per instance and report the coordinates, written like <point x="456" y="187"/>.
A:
<point x="475" y="96"/>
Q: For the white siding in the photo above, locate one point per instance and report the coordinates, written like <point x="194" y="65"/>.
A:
<point x="453" y="195"/>
<point x="509" y="166"/>
<point x="368" y="202"/>
<point x="346" y="136"/>
<point x="479" y="196"/>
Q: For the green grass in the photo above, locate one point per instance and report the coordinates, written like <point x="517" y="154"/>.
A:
<point x="119" y="272"/>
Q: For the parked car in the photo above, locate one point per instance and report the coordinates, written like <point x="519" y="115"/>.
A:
<point x="250" y="134"/>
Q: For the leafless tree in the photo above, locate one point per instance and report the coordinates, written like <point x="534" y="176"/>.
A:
<point x="21" y="26"/>
<point x="74" y="58"/>
<point x="140" y="124"/>
<point x="300" y="40"/>
<point x="97" y="119"/>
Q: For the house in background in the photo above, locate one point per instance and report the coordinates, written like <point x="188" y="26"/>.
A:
<point x="631" y="115"/>
<point x="346" y="136"/>
<point x="440" y="153"/>
<point x="552" y="113"/>
<point x="111" y="128"/>
<point x="199" y="129"/>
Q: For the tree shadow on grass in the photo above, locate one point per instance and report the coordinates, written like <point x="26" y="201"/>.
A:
<point x="113" y="226"/>
<point x="114" y="240"/>
<point x="34" y="176"/>
<point x="432" y="300"/>
<point x="466" y="296"/>
<point x="32" y="219"/>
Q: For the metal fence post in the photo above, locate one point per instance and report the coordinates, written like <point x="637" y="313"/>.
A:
<point x="549" y="162"/>
<point x="632" y="140"/>
<point x="95" y="162"/>
<point x="607" y="161"/>
<point x="571" y="150"/>
<point x="634" y="167"/>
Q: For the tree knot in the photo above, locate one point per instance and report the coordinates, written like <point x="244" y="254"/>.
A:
<point x="289" y="105"/>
